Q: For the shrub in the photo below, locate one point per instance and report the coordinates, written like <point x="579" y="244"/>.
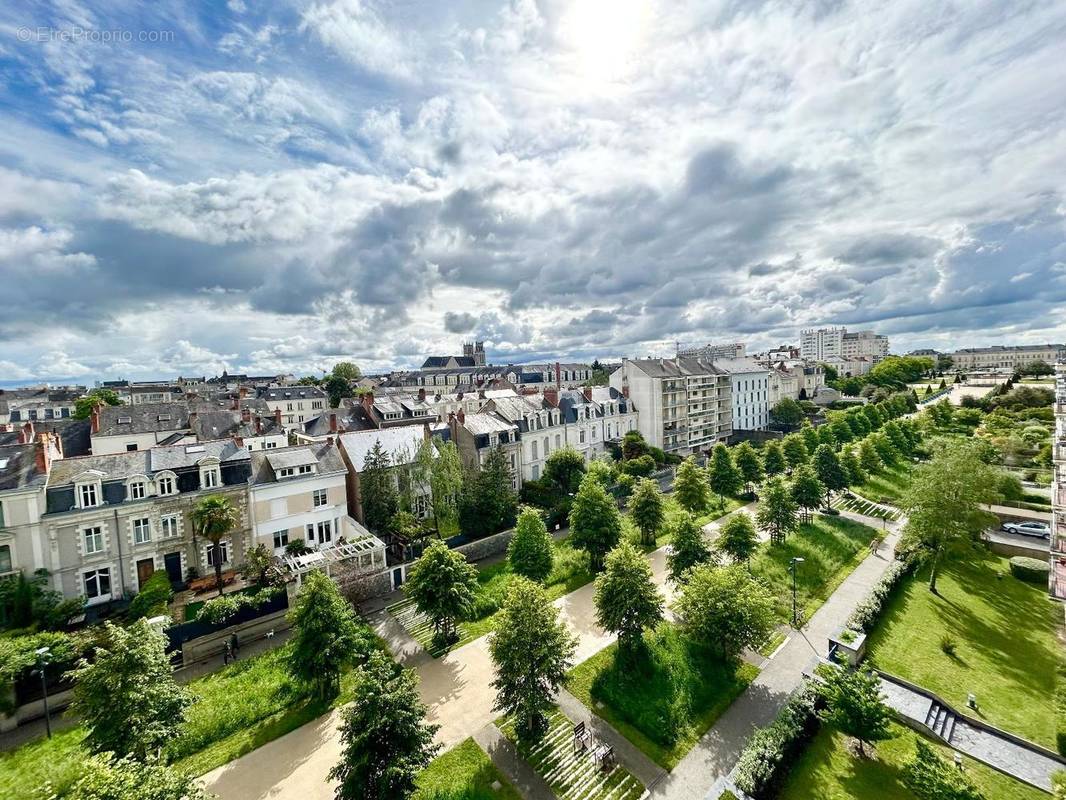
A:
<point x="152" y="599"/>
<point x="640" y="467"/>
<point x="948" y="644"/>
<point x="1030" y="570"/>
<point x="771" y="752"/>
<point x="865" y="615"/>
<point x="219" y="609"/>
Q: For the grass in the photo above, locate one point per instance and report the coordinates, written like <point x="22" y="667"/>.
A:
<point x="1007" y="653"/>
<point x="666" y="701"/>
<point x="828" y="771"/>
<point x="55" y="763"/>
<point x="887" y="486"/>
<point x="463" y="773"/>
<point x="831" y="547"/>
<point x="570" y="775"/>
<point x="860" y="505"/>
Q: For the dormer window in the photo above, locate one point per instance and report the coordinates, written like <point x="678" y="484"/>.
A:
<point x="164" y="485"/>
<point x="163" y="418"/>
<point x="88" y="495"/>
<point x="209" y="476"/>
<point x="138" y="490"/>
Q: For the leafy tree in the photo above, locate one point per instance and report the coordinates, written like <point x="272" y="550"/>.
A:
<point x="825" y="436"/>
<point x="777" y="511"/>
<point x="830" y="471"/>
<point x="722" y="474"/>
<point x="489" y="504"/>
<point x="930" y="777"/>
<point x="346" y="370"/>
<point x="749" y="464"/>
<point x="126" y="693"/>
<point x="854" y="704"/>
<point x="787" y="411"/>
<point x="885" y="451"/>
<point x="795" y="450"/>
<point x="603" y="471"/>
<point x="898" y="371"/>
<point x="152" y="598"/>
<point x="943" y="505"/>
<point x="873" y="416"/>
<point x="633" y="445"/>
<point x="530" y="551"/>
<point x="810" y="438"/>
<point x="29" y="601"/>
<point x="377" y="490"/>
<point x="259" y="567"/>
<point x="726" y="608"/>
<point x="807" y="491"/>
<point x="595" y="524"/>
<point x="773" y="459"/>
<point x="690" y="486"/>
<point x="1037" y="369"/>
<point x="446" y="482"/>
<point x="385" y="740"/>
<point x="106" y="777"/>
<point x="895" y="433"/>
<point x="646" y="509"/>
<point x="532" y="651"/>
<point x="83" y="406"/>
<point x="326" y="636"/>
<point x="856" y="475"/>
<point x="688" y="549"/>
<point x="868" y="458"/>
<point x="842" y="432"/>
<point x="337" y="388"/>
<point x="443" y="585"/>
<point x="212" y="518"/>
<point x="627" y="600"/>
<point x="857" y="421"/>
<point x="737" y="538"/>
<point x="564" y="469"/>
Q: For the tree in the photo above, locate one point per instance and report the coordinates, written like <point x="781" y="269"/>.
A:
<point x="83" y="406"/>
<point x="378" y="495"/>
<point x="107" y="777"/>
<point x="787" y="412"/>
<point x="726" y="608"/>
<point x="690" y="486"/>
<point x="883" y="447"/>
<point x="446" y="482"/>
<point x="633" y="445"/>
<point x="795" y="450"/>
<point x="842" y="432"/>
<point x="777" y="511"/>
<point x="532" y="651"/>
<point x="385" y="740"/>
<point x="873" y="416"/>
<point x="807" y="490"/>
<point x="722" y="474"/>
<point x="212" y="518"/>
<point x="326" y="636"/>
<point x="856" y="475"/>
<point x="646" y="509"/>
<point x="347" y="370"/>
<point x="896" y="434"/>
<point x="868" y="458"/>
<point x="810" y="438"/>
<point x="260" y="567"/>
<point x="749" y="465"/>
<point x="930" y="777"/>
<point x="337" y="388"/>
<point x="443" y="585"/>
<point x="595" y="524"/>
<point x="1037" y="369"/>
<point x="126" y="693"/>
<point x="737" y="538"/>
<point x="489" y="504"/>
<point x="773" y="459"/>
<point x="854" y="704"/>
<point x="943" y="504"/>
<point x="627" y="600"/>
<point x="530" y="551"/>
<point x="564" y="469"/>
<point x="830" y="471"/>
<point x="688" y="549"/>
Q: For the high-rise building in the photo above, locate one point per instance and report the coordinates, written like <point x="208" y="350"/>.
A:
<point x="713" y="351"/>
<point x="820" y="344"/>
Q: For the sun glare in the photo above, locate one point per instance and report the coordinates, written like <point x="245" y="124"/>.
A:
<point x="604" y="37"/>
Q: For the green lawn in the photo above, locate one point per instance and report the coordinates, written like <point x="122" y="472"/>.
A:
<point x="827" y="771"/>
<point x="1007" y="647"/>
<point x="831" y="548"/>
<point x="463" y="773"/>
<point x="665" y="702"/>
<point x="56" y="762"/>
<point x="887" y="486"/>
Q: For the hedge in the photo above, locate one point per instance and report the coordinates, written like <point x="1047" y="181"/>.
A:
<point x="770" y="754"/>
<point x="866" y="614"/>
<point x="219" y="609"/>
<point x="1031" y="570"/>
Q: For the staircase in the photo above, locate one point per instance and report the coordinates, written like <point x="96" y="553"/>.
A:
<point x="941" y="721"/>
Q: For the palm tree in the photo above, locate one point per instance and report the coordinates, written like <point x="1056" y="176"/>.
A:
<point x="214" y="517"/>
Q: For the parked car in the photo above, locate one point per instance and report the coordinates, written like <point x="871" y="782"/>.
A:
<point x="1040" y="530"/>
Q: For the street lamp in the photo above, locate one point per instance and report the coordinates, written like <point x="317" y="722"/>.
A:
<point x="42" y="660"/>
<point x="792" y="568"/>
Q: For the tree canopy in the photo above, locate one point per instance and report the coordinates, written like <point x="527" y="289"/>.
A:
<point x="726" y="609"/>
<point x="690" y="486"/>
<point x="855" y="704"/>
<point x="530" y="550"/>
<point x="564" y="469"/>
<point x="788" y="412"/>
<point x="595" y="524"/>
<point x="737" y="538"/>
<point x="213" y="517"/>
<point x="443" y="585"/>
<point x="627" y="600"/>
<point x="688" y="548"/>
<point x="722" y="474"/>
<point x="777" y="511"/>
<point x="83" y="406"/>
<point x="806" y="490"/>
<point x="647" y="510"/>
<point x="749" y="464"/>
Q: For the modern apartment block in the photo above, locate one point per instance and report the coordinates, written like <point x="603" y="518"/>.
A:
<point x="684" y="404"/>
<point x="1007" y="357"/>
<point x="750" y="390"/>
<point x="822" y="344"/>
<point x="711" y="352"/>
<point x="1058" y="490"/>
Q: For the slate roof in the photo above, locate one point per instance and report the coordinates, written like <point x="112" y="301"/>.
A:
<point x="146" y="462"/>
<point x="291" y="457"/>
<point x="187" y="455"/>
<point x="326" y="455"/>
<point x="18" y="467"/>
<point x="675" y="367"/>
<point x="74" y="434"/>
<point x="402" y="439"/>
<point x="479" y="424"/>
<point x="283" y="393"/>
<point x="144" y="418"/>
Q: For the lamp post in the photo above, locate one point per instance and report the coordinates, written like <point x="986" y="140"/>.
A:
<point x="42" y="661"/>
<point x="792" y="568"/>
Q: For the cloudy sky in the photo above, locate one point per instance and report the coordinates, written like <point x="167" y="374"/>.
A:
<point x="191" y="186"/>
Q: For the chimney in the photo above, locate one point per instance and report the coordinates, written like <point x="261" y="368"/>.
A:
<point x="421" y="394"/>
<point x="246" y="415"/>
<point x="236" y="404"/>
<point x="94" y="419"/>
<point x="329" y="441"/>
<point x="258" y="425"/>
<point x="551" y="396"/>
<point x="193" y="418"/>
<point x="587" y="391"/>
<point x="26" y="434"/>
<point x="625" y="391"/>
<point x="242" y="392"/>
<point x="461" y="416"/>
<point x="368" y="401"/>
<point x="238" y="440"/>
<point x="558" y="375"/>
<point x="3" y="427"/>
<point x="333" y="422"/>
<point x="42" y="456"/>
<point x="277" y="417"/>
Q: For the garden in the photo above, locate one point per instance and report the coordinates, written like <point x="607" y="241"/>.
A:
<point x="463" y="773"/>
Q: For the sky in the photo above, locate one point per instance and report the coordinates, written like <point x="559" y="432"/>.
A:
<point x="187" y="187"/>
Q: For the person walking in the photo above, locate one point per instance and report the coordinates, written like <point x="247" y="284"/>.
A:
<point x="235" y="645"/>
<point x="227" y="652"/>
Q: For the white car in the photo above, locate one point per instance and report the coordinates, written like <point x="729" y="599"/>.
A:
<point x="1041" y="530"/>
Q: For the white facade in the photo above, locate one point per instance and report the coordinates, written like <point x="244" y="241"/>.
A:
<point x="822" y="344"/>
<point x="750" y="389"/>
<point x="1007" y="357"/>
<point x="865" y="345"/>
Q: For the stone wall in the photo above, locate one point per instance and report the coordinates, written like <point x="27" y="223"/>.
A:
<point x="211" y="645"/>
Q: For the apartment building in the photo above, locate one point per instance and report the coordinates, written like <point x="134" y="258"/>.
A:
<point x="820" y="344"/>
<point x="684" y="404"/>
<point x="1057" y="586"/>
<point x="113" y="520"/>
<point x="712" y="352"/>
<point x="540" y="428"/>
<point x="38" y="404"/>
<point x="865" y="345"/>
<point x="401" y="444"/>
<point x="781" y="383"/>
<point x="1006" y="357"/>
<point x="476" y="435"/>
<point x="299" y="493"/>
<point x="750" y="392"/>
<point x="121" y="429"/>
<point x="297" y="404"/>
<point x="24" y="467"/>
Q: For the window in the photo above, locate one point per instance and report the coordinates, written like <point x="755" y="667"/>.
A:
<point x="269" y="445"/>
<point x="310" y="533"/>
<point x="97" y="583"/>
<point x="169" y="525"/>
<point x="94" y="540"/>
<point x="217" y="553"/>
<point x="209" y="478"/>
<point x="536" y="471"/>
<point x="558" y="441"/>
<point x="281" y="538"/>
<point x="165" y="484"/>
<point x="131" y="447"/>
<point x="319" y="498"/>
<point x="534" y="448"/>
<point x="304" y="469"/>
<point x="138" y="490"/>
<point x="142" y="531"/>
<point x="87" y="495"/>
<point x="5" y="559"/>
<point x="581" y="436"/>
<point x="325" y="531"/>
